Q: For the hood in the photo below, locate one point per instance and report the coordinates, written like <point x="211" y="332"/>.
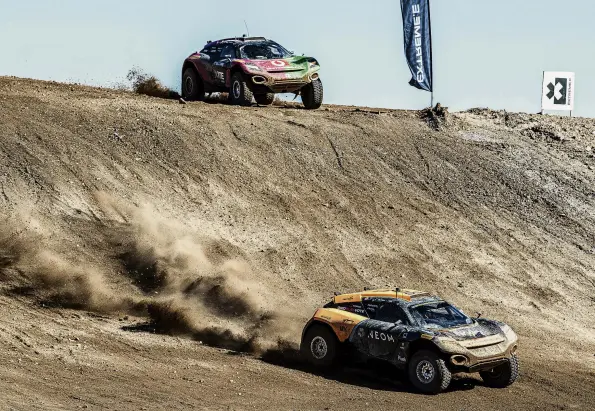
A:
<point x="479" y="329"/>
<point x="295" y="63"/>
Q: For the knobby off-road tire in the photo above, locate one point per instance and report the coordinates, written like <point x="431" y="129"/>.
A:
<point x="428" y="372"/>
<point x="320" y="346"/>
<point x="264" y="99"/>
<point x="312" y="95"/>
<point x="240" y="94"/>
<point x="502" y="376"/>
<point x="193" y="87"/>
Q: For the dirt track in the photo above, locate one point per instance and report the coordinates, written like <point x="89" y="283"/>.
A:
<point x="117" y="207"/>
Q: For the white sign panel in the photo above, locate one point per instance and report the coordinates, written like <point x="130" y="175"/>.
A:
<point x="558" y="91"/>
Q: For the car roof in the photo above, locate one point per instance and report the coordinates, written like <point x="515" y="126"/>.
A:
<point x="395" y="293"/>
<point x="237" y="40"/>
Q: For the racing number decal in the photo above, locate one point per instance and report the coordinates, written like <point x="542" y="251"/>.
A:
<point x="278" y="63"/>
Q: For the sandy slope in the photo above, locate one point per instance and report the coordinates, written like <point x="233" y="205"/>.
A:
<point x="209" y="216"/>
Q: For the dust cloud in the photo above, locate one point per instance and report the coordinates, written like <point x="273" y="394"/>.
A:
<point x="184" y="283"/>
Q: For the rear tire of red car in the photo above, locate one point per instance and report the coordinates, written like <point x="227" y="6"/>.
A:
<point x="192" y="86"/>
<point x="264" y="99"/>
<point x="503" y="375"/>
<point x="312" y="95"/>
<point x="320" y="346"/>
<point x="240" y="93"/>
<point x="428" y="372"/>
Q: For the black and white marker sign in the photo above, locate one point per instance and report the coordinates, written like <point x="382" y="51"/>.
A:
<point x="558" y="91"/>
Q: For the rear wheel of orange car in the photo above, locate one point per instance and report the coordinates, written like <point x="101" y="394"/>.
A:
<point x="428" y="372"/>
<point x="319" y="346"/>
<point x="503" y="375"/>
<point x="192" y="85"/>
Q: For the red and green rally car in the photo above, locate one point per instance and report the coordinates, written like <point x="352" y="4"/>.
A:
<point x="251" y="67"/>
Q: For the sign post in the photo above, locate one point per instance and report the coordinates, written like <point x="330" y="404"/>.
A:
<point x="557" y="91"/>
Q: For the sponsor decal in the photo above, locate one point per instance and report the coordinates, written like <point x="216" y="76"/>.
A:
<point x="401" y="358"/>
<point x="380" y="336"/>
<point x="558" y="91"/>
<point x="427" y="336"/>
<point x="278" y="63"/>
<point x="421" y="75"/>
<point x="361" y="333"/>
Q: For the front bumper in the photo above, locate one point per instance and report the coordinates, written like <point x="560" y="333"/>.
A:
<point x="282" y="82"/>
<point x="479" y="354"/>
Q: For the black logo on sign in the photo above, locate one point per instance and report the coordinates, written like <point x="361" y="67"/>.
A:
<point x="559" y="91"/>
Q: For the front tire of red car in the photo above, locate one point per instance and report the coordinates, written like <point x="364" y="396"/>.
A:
<point x="192" y="86"/>
<point x="319" y="346"/>
<point x="312" y="95"/>
<point x="240" y="93"/>
<point x="264" y="99"/>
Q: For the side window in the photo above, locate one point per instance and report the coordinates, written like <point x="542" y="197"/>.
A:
<point x="391" y="313"/>
<point x="228" y="52"/>
<point x="214" y="52"/>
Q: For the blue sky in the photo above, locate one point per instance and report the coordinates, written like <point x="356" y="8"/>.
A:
<point x="486" y="53"/>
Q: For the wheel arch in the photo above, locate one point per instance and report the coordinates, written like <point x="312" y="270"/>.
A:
<point x="189" y="64"/>
<point x="235" y="68"/>
<point x="315" y="322"/>
<point x="422" y="344"/>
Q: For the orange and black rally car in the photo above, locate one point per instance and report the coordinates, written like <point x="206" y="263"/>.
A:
<point x="413" y="330"/>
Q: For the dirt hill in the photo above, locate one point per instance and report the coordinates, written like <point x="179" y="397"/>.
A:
<point x="158" y="255"/>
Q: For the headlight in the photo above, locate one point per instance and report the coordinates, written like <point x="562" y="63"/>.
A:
<point x="253" y="67"/>
<point x="509" y="333"/>
<point x="449" y="345"/>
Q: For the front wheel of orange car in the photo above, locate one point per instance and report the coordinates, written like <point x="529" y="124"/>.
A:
<point x="503" y="375"/>
<point x="428" y="372"/>
<point x="319" y="346"/>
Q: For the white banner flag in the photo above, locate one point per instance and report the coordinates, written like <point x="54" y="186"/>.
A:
<point x="558" y="91"/>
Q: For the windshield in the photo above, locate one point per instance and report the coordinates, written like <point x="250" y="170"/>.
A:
<point x="263" y="51"/>
<point x="439" y="315"/>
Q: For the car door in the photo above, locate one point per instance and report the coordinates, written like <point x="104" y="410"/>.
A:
<point x="380" y="337"/>
<point x="214" y="55"/>
<point x="223" y="64"/>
